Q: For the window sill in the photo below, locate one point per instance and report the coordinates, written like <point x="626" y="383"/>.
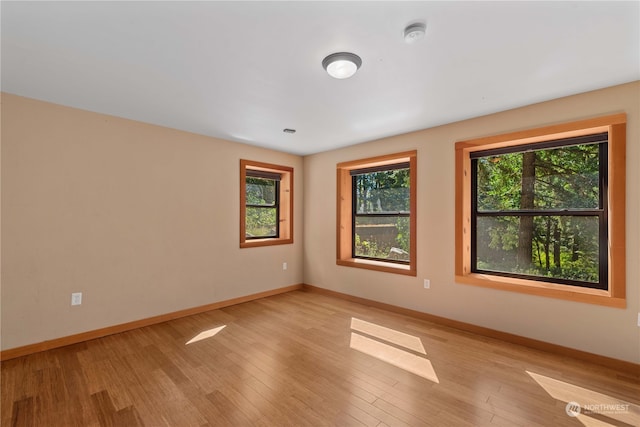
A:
<point x="544" y="289"/>
<point x="388" y="267"/>
<point x="265" y="242"/>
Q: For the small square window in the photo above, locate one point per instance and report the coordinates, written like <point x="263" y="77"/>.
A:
<point x="266" y="204"/>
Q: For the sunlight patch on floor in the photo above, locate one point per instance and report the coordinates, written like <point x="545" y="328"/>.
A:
<point x="590" y="402"/>
<point x="588" y="421"/>
<point x="395" y="356"/>
<point x="205" y="334"/>
<point x="391" y="335"/>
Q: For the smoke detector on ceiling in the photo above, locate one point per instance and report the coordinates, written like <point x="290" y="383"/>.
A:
<point x="414" y="32"/>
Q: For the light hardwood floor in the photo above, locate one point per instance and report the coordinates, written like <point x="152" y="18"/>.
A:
<point x="305" y="359"/>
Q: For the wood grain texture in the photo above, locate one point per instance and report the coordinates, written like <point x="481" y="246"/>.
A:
<point x="632" y="368"/>
<point x="123" y="327"/>
<point x="286" y="360"/>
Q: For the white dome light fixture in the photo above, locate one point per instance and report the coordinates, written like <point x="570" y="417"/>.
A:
<point x="341" y="65"/>
<point x="414" y="32"/>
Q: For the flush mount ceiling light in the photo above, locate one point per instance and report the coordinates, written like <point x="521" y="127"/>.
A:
<point x="414" y="32"/>
<point x="341" y="65"/>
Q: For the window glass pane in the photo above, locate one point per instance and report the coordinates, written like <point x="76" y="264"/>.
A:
<point x="261" y="191"/>
<point x="384" y="237"/>
<point x="380" y="192"/>
<point x="559" y="178"/>
<point x="560" y="247"/>
<point x="261" y="222"/>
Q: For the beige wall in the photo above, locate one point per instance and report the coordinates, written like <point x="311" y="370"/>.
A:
<point x="141" y="219"/>
<point x="606" y="331"/>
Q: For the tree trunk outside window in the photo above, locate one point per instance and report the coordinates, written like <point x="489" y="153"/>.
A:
<point x="525" y="236"/>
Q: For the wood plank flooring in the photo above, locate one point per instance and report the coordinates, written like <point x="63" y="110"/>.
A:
<point x="305" y="359"/>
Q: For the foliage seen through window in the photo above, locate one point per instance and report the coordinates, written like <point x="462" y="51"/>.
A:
<point x="540" y="212"/>
<point x="381" y="213"/>
<point x="262" y="216"/>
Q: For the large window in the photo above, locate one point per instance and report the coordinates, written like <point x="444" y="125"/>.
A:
<point x="266" y="204"/>
<point x="376" y="213"/>
<point x="543" y="211"/>
<point x="540" y="211"/>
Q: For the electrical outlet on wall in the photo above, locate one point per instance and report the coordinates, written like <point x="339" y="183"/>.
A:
<point x="76" y="298"/>
<point x="284" y="265"/>
<point x="427" y="283"/>
<point x="639" y="319"/>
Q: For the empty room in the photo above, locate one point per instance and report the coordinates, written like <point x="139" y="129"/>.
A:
<point x="320" y="213"/>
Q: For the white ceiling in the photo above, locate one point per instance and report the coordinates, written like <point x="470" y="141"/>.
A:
<point x="244" y="71"/>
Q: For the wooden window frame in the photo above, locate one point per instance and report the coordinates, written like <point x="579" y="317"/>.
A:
<point x="344" y="224"/>
<point x="615" y="295"/>
<point x="285" y="198"/>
